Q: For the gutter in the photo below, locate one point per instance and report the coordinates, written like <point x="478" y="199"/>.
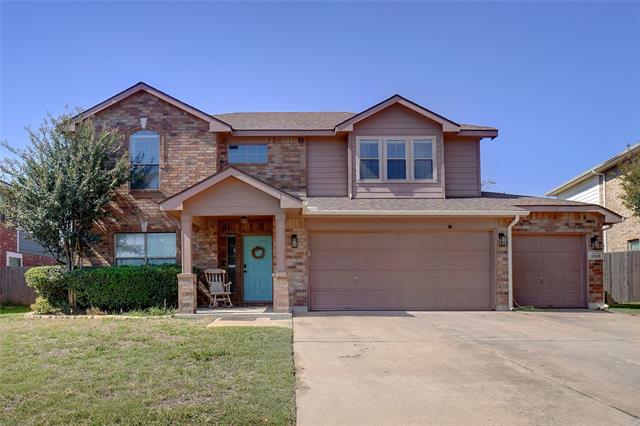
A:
<point x="604" y="201"/>
<point x="311" y="211"/>
<point x="510" y="258"/>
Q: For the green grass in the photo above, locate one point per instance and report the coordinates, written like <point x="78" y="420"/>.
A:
<point x="6" y="309"/>
<point x="632" y="308"/>
<point x="156" y="371"/>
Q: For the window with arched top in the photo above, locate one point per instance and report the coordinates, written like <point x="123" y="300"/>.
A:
<point x="144" y="154"/>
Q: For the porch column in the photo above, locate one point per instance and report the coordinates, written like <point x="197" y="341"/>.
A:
<point x="187" y="293"/>
<point x="280" y="280"/>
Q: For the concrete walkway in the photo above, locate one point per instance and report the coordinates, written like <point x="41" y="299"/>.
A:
<point x="468" y="368"/>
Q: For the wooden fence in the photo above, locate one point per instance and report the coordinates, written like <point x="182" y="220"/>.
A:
<point x="13" y="288"/>
<point x="622" y="276"/>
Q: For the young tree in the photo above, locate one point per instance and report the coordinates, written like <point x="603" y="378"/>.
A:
<point x="630" y="181"/>
<point x="60" y="184"/>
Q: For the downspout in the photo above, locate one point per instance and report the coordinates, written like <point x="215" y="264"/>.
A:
<point x="604" y="202"/>
<point x="516" y="219"/>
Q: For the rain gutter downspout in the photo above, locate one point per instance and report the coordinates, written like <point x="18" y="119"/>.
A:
<point x="516" y="219"/>
<point x="604" y="202"/>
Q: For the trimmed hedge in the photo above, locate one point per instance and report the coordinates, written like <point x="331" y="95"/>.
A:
<point x="49" y="285"/>
<point x="113" y="288"/>
<point x="125" y="287"/>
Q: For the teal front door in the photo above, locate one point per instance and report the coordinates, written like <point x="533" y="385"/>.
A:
<point x="257" y="280"/>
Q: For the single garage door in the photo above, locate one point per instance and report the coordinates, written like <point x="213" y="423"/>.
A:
<point x="400" y="271"/>
<point x="548" y="270"/>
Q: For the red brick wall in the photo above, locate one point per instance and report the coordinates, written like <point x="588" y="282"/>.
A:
<point x="8" y="242"/>
<point x="187" y="155"/>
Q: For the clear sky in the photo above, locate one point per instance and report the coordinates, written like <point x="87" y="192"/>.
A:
<point x="560" y="80"/>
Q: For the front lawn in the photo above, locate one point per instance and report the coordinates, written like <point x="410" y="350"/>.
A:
<point x="632" y="308"/>
<point x="143" y="371"/>
<point x="8" y="309"/>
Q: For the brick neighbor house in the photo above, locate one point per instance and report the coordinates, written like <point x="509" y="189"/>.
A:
<point x="602" y="185"/>
<point x="377" y="210"/>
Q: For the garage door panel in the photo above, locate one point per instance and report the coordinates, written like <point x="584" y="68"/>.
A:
<point x="548" y="270"/>
<point x="400" y="271"/>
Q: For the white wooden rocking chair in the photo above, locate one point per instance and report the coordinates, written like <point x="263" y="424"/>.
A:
<point x="219" y="289"/>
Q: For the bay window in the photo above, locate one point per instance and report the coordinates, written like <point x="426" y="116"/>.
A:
<point x="398" y="159"/>
<point x="145" y="248"/>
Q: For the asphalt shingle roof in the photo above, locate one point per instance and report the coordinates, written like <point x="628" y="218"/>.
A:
<point x="297" y="120"/>
<point x="489" y="201"/>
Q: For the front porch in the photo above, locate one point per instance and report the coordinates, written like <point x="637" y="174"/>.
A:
<point x="233" y="222"/>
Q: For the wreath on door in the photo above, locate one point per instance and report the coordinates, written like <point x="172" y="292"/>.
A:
<point x="258" y="252"/>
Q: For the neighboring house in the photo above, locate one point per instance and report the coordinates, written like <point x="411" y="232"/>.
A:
<point x="602" y="185"/>
<point x="17" y="248"/>
<point x="377" y="210"/>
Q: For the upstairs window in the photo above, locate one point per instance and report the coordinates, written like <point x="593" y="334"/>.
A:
<point x="141" y="248"/>
<point x="422" y="159"/>
<point x="369" y="153"/>
<point x="248" y="154"/>
<point x="633" y="245"/>
<point x="144" y="153"/>
<point x="394" y="159"/>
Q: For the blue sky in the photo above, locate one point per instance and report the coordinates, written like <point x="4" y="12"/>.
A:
<point x="560" y="80"/>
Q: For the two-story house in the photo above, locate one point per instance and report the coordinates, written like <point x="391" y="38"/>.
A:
<point x="602" y="184"/>
<point x="376" y="210"/>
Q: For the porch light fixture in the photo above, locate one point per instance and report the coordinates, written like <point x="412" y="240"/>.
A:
<point x="294" y="241"/>
<point x="595" y="244"/>
<point x="502" y="240"/>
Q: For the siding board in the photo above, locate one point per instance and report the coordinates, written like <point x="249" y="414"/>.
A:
<point x="462" y="167"/>
<point x="327" y="167"/>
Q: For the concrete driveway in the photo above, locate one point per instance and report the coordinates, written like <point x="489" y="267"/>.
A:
<point x="468" y="368"/>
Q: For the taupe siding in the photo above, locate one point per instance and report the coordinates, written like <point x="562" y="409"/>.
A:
<point x="326" y="167"/>
<point x="398" y="120"/>
<point x="462" y="167"/>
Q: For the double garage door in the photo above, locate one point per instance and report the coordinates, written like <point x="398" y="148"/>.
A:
<point x="447" y="271"/>
<point x="400" y="271"/>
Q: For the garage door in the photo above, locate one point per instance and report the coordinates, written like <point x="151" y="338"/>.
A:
<point x="399" y="271"/>
<point x="548" y="271"/>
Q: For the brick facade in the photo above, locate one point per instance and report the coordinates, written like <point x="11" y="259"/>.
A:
<point x="297" y="262"/>
<point x="286" y="164"/>
<point x="588" y="224"/>
<point x="629" y="229"/>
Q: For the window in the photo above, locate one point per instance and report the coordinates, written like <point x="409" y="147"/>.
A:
<point x="422" y="159"/>
<point x="633" y="245"/>
<point x="14" y="260"/>
<point x="410" y="159"/>
<point x="144" y="152"/>
<point x="248" y="153"/>
<point x="396" y="159"/>
<point x="369" y="152"/>
<point x="140" y="248"/>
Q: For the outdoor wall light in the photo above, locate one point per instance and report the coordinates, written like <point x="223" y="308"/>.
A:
<point x="143" y="122"/>
<point x="503" y="241"/>
<point x="595" y="243"/>
<point x="294" y="240"/>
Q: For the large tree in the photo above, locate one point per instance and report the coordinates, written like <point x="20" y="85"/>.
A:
<point x="60" y="184"/>
<point x="630" y="181"/>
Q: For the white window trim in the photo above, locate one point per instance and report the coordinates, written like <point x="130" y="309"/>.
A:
<point x="131" y="163"/>
<point x="146" y="247"/>
<point x="382" y="158"/>
<point x="14" y="255"/>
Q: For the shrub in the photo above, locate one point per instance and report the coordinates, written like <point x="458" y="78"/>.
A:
<point x="49" y="285"/>
<point x="42" y="306"/>
<point x="125" y="288"/>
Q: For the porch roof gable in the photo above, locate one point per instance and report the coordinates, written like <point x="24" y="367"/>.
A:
<point x="176" y="201"/>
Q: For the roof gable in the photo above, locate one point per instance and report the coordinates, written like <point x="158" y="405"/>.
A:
<point x="175" y="202"/>
<point x="447" y="125"/>
<point x="215" y="124"/>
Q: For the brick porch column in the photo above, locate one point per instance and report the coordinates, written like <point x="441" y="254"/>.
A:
<point x="280" y="280"/>
<point x="187" y="292"/>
